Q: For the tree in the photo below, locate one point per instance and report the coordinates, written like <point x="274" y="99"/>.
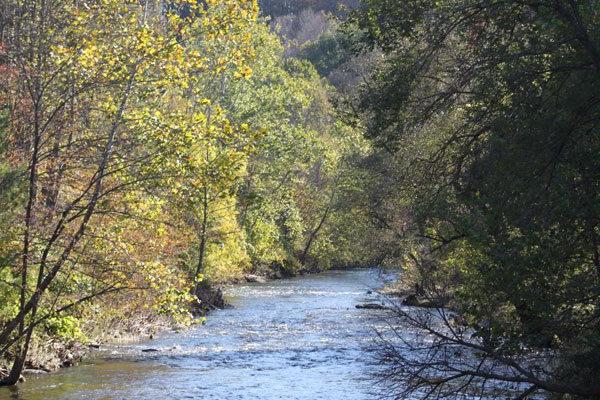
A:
<point x="91" y="143"/>
<point x="282" y="7"/>
<point x="293" y="181"/>
<point x="488" y="112"/>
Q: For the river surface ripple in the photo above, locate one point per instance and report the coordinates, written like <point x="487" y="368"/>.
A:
<point x="300" y="338"/>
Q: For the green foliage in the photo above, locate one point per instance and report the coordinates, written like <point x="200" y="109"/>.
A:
<point x="329" y="52"/>
<point x="11" y="196"/>
<point x="11" y="175"/>
<point x="295" y="164"/>
<point x="283" y="7"/>
<point x="487" y="114"/>
<point x="90" y="163"/>
<point x="168" y="144"/>
<point x="66" y="327"/>
<point x="9" y="305"/>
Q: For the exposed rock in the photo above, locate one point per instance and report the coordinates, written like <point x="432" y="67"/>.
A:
<point x="276" y="274"/>
<point x="68" y="359"/>
<point x="31" y="371"/>
<point x="277" y="270"/>
<point x="254" y="278"/>
<point x="54" y="354"/>
<point x="371" y="306"/>
<point x="310" y="269"/>
<point x="209" y="297"/>
<point x="150" y="350"/>
<point x="413" y="300"/>
<point x="413" y="295"/>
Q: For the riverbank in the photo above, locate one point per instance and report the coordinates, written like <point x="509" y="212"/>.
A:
<point x="50" y="354"/>
<point x="408" y="290"/>
<point x="302" y="337"/>
<point x="210" y="295"/>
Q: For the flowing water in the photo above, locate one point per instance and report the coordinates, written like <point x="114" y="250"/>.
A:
<point x="300" y="338"/>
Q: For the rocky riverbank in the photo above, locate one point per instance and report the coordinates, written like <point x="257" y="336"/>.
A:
<point x="48" y="357"/>
<point x="210" y="295"/>
<point x="51" y="354"/>
<point x="304" y="331"/>
<point x="412" y="295"/>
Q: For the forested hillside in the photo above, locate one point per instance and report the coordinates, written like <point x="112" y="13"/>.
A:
<point x="153" y="151"/>
<point x="147" y="156"/>
<point x="276" y="8"/>
<point x="486" y="117"/>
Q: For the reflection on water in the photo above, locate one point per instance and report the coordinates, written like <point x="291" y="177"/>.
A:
<point x="292" y="339"/>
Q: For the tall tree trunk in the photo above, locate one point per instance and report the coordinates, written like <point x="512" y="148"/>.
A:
<point x="203" y="239"/>
<point x="18" y="365"/>
<point x="315" y="232"/>
<point x="313" y="236"/>
<point x="202" y="235"/>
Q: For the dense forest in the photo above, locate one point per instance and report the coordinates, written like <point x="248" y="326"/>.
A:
<point x="151" y="151"/>
<point x="277" y="8"/>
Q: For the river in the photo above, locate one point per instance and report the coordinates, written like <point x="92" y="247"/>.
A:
<point x="299" y="338"/>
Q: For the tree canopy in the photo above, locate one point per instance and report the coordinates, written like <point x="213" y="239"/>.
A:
<point x="151" y="150"/>
<point x="487" y="117"/>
